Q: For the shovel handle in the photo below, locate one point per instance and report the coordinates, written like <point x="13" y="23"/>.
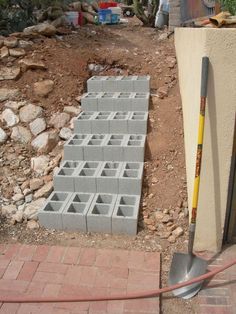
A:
<point x="204" y="79"/>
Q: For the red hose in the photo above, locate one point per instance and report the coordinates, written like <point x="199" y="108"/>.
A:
<point x="140" y="295"/>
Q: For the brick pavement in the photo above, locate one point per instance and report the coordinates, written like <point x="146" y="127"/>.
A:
<point x="66" y="271"/>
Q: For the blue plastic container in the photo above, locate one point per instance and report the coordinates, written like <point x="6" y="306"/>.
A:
<point x="115" y="18"/>
<point x="105" y="16"/>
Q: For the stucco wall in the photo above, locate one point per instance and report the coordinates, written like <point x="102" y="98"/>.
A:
<point x="220" y="46"/>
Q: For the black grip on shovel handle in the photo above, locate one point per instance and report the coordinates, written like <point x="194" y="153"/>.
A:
<point x="205" y="65"/>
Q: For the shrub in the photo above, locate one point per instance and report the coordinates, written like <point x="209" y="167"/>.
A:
<point x="229" y="5"/>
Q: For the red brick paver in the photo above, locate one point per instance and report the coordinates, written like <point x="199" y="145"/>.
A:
<point x="218" y="295"/>
<point x="55" y="271"/>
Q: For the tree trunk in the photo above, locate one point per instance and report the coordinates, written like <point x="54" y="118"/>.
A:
<point x="152" y="10"/>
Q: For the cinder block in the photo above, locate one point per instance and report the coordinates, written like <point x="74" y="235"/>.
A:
<point x="93" y="148"/>
<point x="101" y="122"/>
<point x="140" y="101"/>
<point x="106" y="101"/>
<point x="137" y="123"/>
<point x="108" y="177"/>
<point x="114" y="147"/>
<point x="74" y="215"/>
<point x="141" y="84"/>
<point x="83" y="123"/>
<point x="95" y="84"/>
<point x="126" y="84"/>
<point x="50" y="216"/>
<point x="89" y="101"/>
<point x="85" y="176"/>
<point x="125" y="215"/>
<point x="131" y="177"/>
<point x="73" y="148"/>
<point x="134" y="147"/>
<point x="100" y="213"/>
<point x="119" y="122"/>
<point x="109" y="84"/>
<point x="122" y="101"/>
<point x="63" y="179"/>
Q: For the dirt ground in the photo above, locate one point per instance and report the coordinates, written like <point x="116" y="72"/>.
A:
<point x="127" y="49"/>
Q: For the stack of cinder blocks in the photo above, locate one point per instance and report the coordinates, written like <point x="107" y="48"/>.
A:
<point x="98" y="185"/>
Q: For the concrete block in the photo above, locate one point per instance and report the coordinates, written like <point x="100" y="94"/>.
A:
<point x="101" y="123"/>
<point x="95" y="84"/>
<point x="134" y="147"/>
<point x="93" y="148"/>
<point x="119" y="122"/>
<point x="73" y="148"/>
<point x="126" y="84"/>
<point x="125" y="215"/>
<point x="89" y="101"/>
<point x="50" y="215"/>
<point x="140" y="101"/>
<point x="131" y="177"/>
<point x="85" y="176"/>
<point x="114" y="147"/>
<point x="83" y="123"/>
<point x="110" y="84"/>
<point x="106" y="101"/>
<point x="137" y="123"/>
<point x="108" y="177"/>
<point x="141" y="84"/>
<point x="100" y="213"/>
<point x="122" y="101"/>
<point x="74" y="215"/>
<point x="63" y="179"/>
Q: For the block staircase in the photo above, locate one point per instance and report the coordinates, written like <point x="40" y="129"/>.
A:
<point x="98" y="185"/>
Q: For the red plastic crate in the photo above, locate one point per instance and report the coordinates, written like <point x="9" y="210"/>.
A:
<point x="106" y="5"/>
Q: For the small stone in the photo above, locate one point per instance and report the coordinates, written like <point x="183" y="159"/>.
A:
<point x="8" y="93"/>
<point x="26" y="191"/>
<point x="25" y="44"/>
<point x="31" y="209"/>
<point x="7" y="73"/>
<point x="43" y="88"/>
<point x="4" y="52"/>
<point x="165" y="234"/>
<point x="45" y="29"/>
<point x="9" y="117"/>
<point x="29" y="64"/>
<point x="45" y="142"/>
<point x="163" y="91"/>
<point x="35" y="184"/>
<point x="150" y="195"/>
<point x="21" y="134"/>
<point x="170" y="167"/>
<point x="17" y="197"/>
<point x="149" y="221"/>
<point x="172" y="227"/>
<point x="178" y="232"/>
<point x="32" y="224"/>
<point x="17" y="217"/>
<point x="166" y="219"/>
<point x="11" y="42"/>
<point x="14" y="105"/>
<point x="17" y="52"/>
<point x="166" y="211"/>
<point x="186" y="212"/>
<point x="59" y="120"/>
<point x="171" y="62"/>
<point x="151" y="227"/>
<point x="44" y="191"/>
<point x="154" y="180"/>
<point x="72" y="110"/>
<point x="28" y="198"/>
<point x="159" y="216"/>
<point x="37" y="126"/>
<point x="65" y="133"/>
<point x="25" y="185"/>
<point x="8" y="210"/>
<point x="72" y="122"/>
<point x="39" y="164"/>
<point x="172" y="239"/>
<point x="30" y="112"/>
<point x="3" y="136"/>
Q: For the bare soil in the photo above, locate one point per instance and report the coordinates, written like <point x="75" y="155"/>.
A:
<point x="134" y="50"/>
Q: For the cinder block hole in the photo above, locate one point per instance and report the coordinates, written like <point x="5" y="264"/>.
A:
<point x="53" y="207"/>
<point x="108" y="173"/>
<point x="87" y="172"/>
<point x="120" y="117"/>
<point x="102" y="117"/>
<point x="107" y="95"/>
<point x="135" y="137"/>
<point x="125" y="211"/>
<point x="111" y="165"/>
<point x="76" y="208"/>
<point x="143" y="78"/>
<point x="94" y="142"/>
<point x="70" y="164"/>
<point x="81" y="198"/>
<point x="138" y="95"/>
<point x="130" y="174"/>
<point x="132" y="165"/>
<point x="127" y="78"/>
<point x="65" y="172"/>
<point x="59" y="197"/>
<point x="137" y="118"/>
<point x="134" y="143"/>
<point x="86" y="117"/>
<point x="127" y="200"/>
<point x="110" y="78"/>
<point x="98" y="137"/>
<point x="91" y="95"/>
<point x="124" y="95"/>
<point x="100" y="209"/>
<point x="114" y="143"/>
<point x="79" y="137"/>
<point x="75" y="142"/>
<point x="116" y="137"/>
<point x="104" y="199"/>
<point x="94" y="78"/>
<point x="91" y="165"/>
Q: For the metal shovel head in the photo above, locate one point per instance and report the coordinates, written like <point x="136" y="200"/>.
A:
<point x="185" y="267"/>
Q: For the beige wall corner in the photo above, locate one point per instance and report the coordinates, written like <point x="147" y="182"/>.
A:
<point x="220" y="46"/>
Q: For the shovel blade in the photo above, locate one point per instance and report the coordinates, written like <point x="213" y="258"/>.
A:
<point x="185" y="267"/>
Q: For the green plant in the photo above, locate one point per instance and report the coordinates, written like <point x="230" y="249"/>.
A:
<point x="229" y="5"/>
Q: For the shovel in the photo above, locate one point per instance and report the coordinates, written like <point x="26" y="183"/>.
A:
<point x="185" y="267"/>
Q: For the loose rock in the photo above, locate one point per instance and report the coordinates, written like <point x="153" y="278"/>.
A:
<point x="8" y="210"/>
<point x="15" y="105"/>
<point x="4" y="52"/>
<point x="72" y="110"/>
<point x="30" y="112"/>
<point x="45" y="142"/>
<point x="36" y="183"/>
<point x="39" y="164"/>
<point x="17" y="217"/>
<point x="37" y="126"/>
<point x="31" y="210"/>
<point x="17" y="52"/>
<point x="59" y="120"/>
<point x="43" y="88"/>
<point x="25" y="44"/>
<point x="163" y="91"/>
<point x="29" y="64"/>
<point x="3" y="136"/>
<point x="9" y="117"/>
<point x="32" y="224"/>
<point x="11" y="42"/>
<point x="65" y="133"/>
<point x="7" y="73"/>
<point x="178" y="232"/>
<point x="21" y="134"/>
<point x="8" y="93"/>
<point x="45" y="29"/>
<point x="44" y="191"/>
